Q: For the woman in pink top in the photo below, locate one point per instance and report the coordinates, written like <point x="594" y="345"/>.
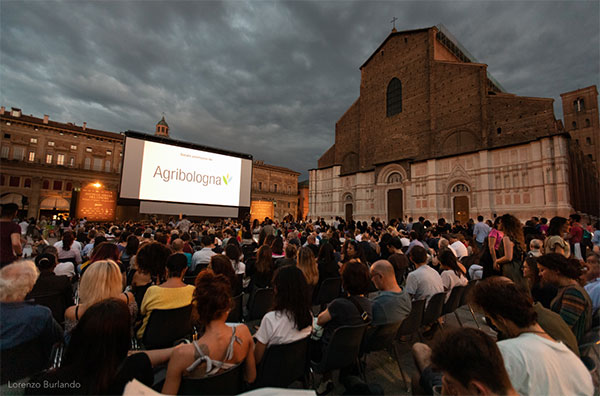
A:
<point x="490" y="247"/>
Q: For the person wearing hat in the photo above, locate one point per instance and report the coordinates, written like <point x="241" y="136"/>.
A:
<point x="55" y="289"/>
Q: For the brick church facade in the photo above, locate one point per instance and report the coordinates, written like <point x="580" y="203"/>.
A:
<point x="432" y="134"/>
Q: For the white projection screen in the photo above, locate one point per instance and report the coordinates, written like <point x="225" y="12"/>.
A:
<point x="172" y="177"/>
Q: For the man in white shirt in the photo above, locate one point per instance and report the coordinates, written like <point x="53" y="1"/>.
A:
<point x="459" y="248"/>
<point x="536" y="363"/>
<point x="423" y="282"/>
<point x="202" y="256"/>
<point x="480" y="231"/>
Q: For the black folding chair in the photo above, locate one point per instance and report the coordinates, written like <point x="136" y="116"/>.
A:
<point x="239" y="285"/>
<point x="453" y="301"/>
<point x="23" y="360"/>
<point x="235" y="315"/>
<point x="378" y="338"/>
<point x="410" y="325"/>
<point x="229" y="382"/>
<point x="261" y="303"/>
<point x="165" y="326"/>
<point x="433" y="310"/>
<point x="464" y="300"/>
<point x="283" y="364"/>
<point x="342" y="349"/>
<point x="329" y="290"/>
<point x="56" y="303"/>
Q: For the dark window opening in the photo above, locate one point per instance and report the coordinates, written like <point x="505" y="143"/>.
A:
<point x="590" y="157"/>
<point x="587" y="122"/>
<point x="14" y="181"/>
<point x="7" y="136"/>
<point x="394" y="97"/>
<point x="46" y="184"/>
<point x="27" y="183"/>
<point x="499" y="131"/>
<point x="57" y="185"/>
<point x="574" y="124"/>
<point x="69" y="186"/>
<point x="588" y="140"/>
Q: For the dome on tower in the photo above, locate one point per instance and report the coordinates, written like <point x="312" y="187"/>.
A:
<point x="162" y="128"/>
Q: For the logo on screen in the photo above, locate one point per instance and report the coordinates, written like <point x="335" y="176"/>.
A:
<point x="227" y="179"/>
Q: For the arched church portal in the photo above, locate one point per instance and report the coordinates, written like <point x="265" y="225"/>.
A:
<point x="394" y="204"/>
<point x="460" y="202"/>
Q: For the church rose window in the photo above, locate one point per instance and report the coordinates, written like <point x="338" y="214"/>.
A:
<point x="394" y="97"/>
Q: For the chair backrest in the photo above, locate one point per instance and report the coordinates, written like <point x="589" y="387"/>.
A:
<point x="454" y="299"/>
<point x="235" y="315"/>
<point x="343" y="348"/>
<point x="56" y="303"/>
<point x="165" y="326"/>
<point x="434" y="308"/>
<point x="239" y="284"/>
<point x="23" y="360"/>
<point x="229" y="382"/>
<point x="189" y="280"/>
<point x="412" y="322"/>
<point x="329" y="290"/>
<point x="466" y="292"/>
<point x="379" y="337"/>
<point x="261" y="303"/>
<point x="283" y="364"/>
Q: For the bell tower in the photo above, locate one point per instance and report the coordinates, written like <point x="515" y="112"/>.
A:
<point x="162" y="128"/>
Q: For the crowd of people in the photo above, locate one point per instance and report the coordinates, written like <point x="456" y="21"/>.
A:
<point x="538" y="284"/>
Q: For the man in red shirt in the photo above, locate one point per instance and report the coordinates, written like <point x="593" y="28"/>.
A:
<point x="576" y="236"/>
<point x="10" y="235"/>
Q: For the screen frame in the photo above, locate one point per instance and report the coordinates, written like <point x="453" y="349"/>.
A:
<point x="177" y="143"/>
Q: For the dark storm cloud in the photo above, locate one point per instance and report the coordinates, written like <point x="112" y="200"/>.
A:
<point x="267" y="78"/>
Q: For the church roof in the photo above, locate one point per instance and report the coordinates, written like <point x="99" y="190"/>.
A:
<point x="392" y="34"/>
<point x="163" y="122"/>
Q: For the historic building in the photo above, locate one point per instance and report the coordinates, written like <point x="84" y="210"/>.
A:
<point x="580" y="110"/>
<point x="44" y="164"/>
<point x="433" y="134"/>
<point x="303" y="189"/>
<point x="43" y="161"/>
<point x="275" y="188"/>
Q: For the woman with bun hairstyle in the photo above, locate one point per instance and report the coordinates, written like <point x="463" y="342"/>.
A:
<point x="511" y="250"/>
<point x="572" y="302"/>
<point x="221" y="347"/>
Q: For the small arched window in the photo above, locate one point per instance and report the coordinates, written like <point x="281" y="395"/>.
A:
<point x="27" y="183"/>
<point x="46" y="184"/>
<point x="587" y="122"/>
<point x="394" y="97"/>
<point x="574" y="124"/>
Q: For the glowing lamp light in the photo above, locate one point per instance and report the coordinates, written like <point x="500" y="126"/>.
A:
<point x="97" y="185"/>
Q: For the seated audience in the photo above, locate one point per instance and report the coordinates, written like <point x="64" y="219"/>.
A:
<point x="352" y="309"/>
<point x="68" y="248"/>
<point x="67" y="268"/>
<point x="50" y="285"/>
<point x="452" y="274"/>
<point x="23" y="321"/>
<point x="220" y="264"/>
<point x="327" y="262"/>
<point x="481" y="370"/>
<point x="148" y="268"/>
<point x="544" y="293"/>
<point x="233" y="253"/>
<point x="423" y="282"/>
<point x="392" y="304"/>
<point x="572" y="302"/>
<point x="177" y="247"/>
<point x="554" y="242"/>
<point x="290" y="256"/>
<point x="290" y="319"/>
<point x="535" y="246"/>
<point x="459" y="248"/>
<point x="202" y="256"/>
<point x="220" y="347"/>
<point x="308" y="265"/>
<point x="535" y="361"/>
<point x="168" y="295"/>
<point x="96" y="357"/>
<point x="593" y="280"/>
<point x="261" y="270"/>
<point x="400" y="263"/>
<point x="102" y="280"/>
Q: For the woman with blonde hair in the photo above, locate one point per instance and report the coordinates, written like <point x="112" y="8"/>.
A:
<point x="102" y="280"/>
<point x="308" y="265"/>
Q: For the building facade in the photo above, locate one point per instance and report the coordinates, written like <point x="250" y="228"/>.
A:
<point x="433" y="134"/>
<point x="43" y="161"/>
<point x="580" y="110"/>
<point x="303" y="207"/>
<point x="278" y="185"/>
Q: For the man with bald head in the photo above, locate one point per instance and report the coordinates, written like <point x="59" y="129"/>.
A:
<point x="392" y="304"/>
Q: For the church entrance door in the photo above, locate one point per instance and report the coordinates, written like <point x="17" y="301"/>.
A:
<point x="461" y="209"/>
<point x="394" y="204"/>
<point x="348" y="212"/>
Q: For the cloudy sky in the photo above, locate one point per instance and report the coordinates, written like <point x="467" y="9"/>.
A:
<point x="269" y="78"/>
